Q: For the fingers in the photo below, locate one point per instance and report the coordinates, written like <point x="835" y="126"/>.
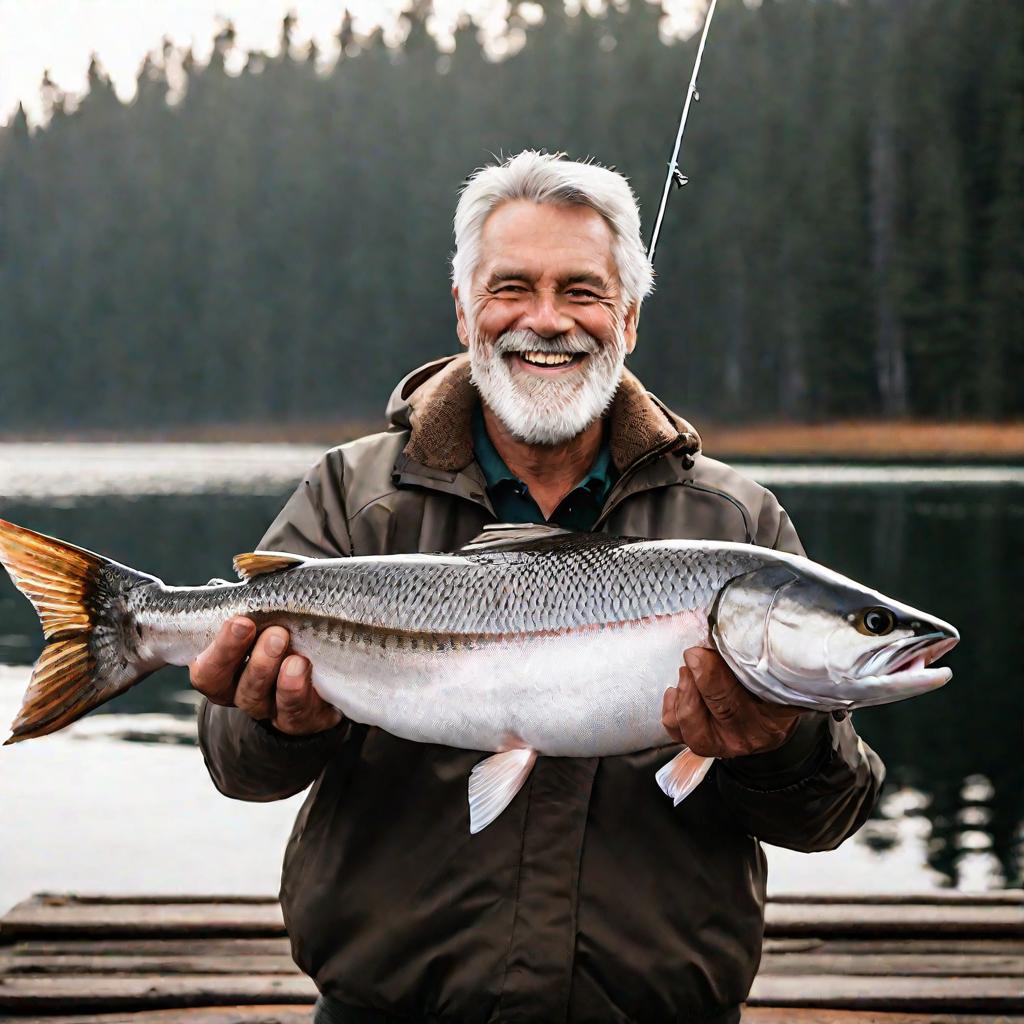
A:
<point x="668" y="715"/>
<point x="739" y="723"/>
<point x="684" y="715"/>
<point x="214" y="671"/>
<point x="272" y="685"/>
<point x="299" y="708"/>
<point x="715" y="682"/>
<point x="255" y="691"/>
<point x="695" y="721"/>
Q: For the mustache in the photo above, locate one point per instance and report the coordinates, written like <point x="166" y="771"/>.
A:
<point x="512" y="342"/>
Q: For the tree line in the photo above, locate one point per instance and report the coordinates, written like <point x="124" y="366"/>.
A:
<point x="273" y="245"/>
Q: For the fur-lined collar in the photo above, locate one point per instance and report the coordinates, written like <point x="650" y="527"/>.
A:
<point x="441" y="398"/>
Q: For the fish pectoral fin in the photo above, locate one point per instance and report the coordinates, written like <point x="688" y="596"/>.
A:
<point x="494" y="782"/>
<point x="683" y="774"/>
<point x="251" y="564"/>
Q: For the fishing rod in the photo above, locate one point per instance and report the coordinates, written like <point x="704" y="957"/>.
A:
<point x="675" y="175"/>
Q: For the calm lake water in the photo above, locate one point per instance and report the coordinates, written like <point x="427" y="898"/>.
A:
<point x="121" y="802"/>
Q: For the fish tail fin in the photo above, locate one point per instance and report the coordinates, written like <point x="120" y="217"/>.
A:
<point x="79" y="597"/>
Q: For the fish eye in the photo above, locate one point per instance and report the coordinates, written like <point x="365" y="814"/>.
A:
<point x="874" y="621"/>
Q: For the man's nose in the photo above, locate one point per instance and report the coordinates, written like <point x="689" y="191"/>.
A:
<point x="545" y="318"/>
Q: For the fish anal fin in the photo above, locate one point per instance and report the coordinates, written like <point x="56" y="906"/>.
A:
<point x="494" y="782"/>
<point x="251" y="564"/>
<point x="683" y="774"/>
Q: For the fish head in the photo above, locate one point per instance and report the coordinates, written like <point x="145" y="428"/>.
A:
<point x="799" y="634"/>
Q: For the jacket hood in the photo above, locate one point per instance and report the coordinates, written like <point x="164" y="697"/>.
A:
<point x="436" y="401"/>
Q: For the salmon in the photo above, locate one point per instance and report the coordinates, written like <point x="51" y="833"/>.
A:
<point x="529" y="641"/>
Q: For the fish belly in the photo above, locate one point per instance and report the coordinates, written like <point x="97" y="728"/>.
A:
<point x="586" y="692"/>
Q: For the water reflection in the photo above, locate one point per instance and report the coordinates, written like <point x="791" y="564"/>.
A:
<point x="955" y="771"/>
<point x="184" y="539"/>
<point x="953" y="551"/>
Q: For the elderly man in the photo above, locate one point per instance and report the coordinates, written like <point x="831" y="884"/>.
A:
<point x="591" y="898"/>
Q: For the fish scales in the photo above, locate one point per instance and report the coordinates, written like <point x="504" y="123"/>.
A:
<point x="482" y="595"/>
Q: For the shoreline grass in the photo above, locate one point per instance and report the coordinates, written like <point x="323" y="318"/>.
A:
<point x="848" y="440"/>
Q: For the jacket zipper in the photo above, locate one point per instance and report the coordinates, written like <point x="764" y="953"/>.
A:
<point x="615" y="497"/>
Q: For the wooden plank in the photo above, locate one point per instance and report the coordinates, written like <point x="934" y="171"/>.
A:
<point x="791" y="945"/>
<point x="96" y="994"/>
<point x="157" y="947"/>
<point x="142" y="919"/>
<point x="912" y="965"/>
<point x="791" y="1015"/>
<point x="281" y="946"/>
<point x="135" y="964"/>
<point x="846" y="919"/>
<point x="301" y="1015"/>
<point x="101" y="898"/>
<point x="893" y="959"/>
<point x="868" y="946"/>
<point x="951" y="897"/>
<point x="940" y="897"/>
<point x="946" y="995"/>
<point x="104" y="994"/>
<point x="243" y="947"/>
<point x="291" y="1014"/>
<point x="69" y="916"/>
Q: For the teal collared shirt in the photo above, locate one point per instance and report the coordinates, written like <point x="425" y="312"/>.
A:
<point x="511" y="498"/>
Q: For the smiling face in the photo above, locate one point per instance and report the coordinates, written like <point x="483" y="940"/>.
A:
<point x="546" y="326"/>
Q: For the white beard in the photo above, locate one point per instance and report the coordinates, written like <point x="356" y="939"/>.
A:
<point x="547" y="410"/>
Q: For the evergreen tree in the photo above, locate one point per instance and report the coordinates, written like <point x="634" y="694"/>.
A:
<point x="272" y="244"/>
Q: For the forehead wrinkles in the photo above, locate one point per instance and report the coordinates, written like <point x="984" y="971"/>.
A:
<point x="548" y="238"/>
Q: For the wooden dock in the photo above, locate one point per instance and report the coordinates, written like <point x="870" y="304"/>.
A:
<point x="950" y="958"/>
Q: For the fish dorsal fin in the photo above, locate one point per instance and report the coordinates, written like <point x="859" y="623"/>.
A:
<point x="500" y="536"/>
<point x="251" y="564"/>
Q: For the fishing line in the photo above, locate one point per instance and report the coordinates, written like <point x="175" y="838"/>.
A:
<point x="675" y="175"/>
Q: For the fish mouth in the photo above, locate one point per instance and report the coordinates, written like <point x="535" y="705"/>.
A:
<point x="903" y="665"/>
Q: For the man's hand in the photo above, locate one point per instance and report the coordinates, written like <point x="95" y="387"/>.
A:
<point x="712" y="713"/>
<point x="272" y="686"/>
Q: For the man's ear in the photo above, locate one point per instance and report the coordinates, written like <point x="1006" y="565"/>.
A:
<point x="460" y="317"/>
<point x="630" y="321"/>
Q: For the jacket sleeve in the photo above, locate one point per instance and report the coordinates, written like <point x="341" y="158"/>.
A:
<point x="250" y="760"/>
<point x="820" y="786"/>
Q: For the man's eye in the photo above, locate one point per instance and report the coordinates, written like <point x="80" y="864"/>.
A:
<point x="509" y="288"/>
<point x="581" y="293"/>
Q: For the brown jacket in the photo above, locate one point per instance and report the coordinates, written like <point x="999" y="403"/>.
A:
<point x="591" y="899"/>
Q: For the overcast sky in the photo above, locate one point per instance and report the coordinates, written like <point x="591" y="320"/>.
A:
<point x="60" y="35"/>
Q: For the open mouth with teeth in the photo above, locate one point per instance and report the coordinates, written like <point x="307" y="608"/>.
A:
<point x="548" y="362"/>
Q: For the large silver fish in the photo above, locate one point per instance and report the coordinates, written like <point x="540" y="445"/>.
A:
<point x="529" y="641"/>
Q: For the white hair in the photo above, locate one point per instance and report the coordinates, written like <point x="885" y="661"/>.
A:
<point x="550" y="178"/>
